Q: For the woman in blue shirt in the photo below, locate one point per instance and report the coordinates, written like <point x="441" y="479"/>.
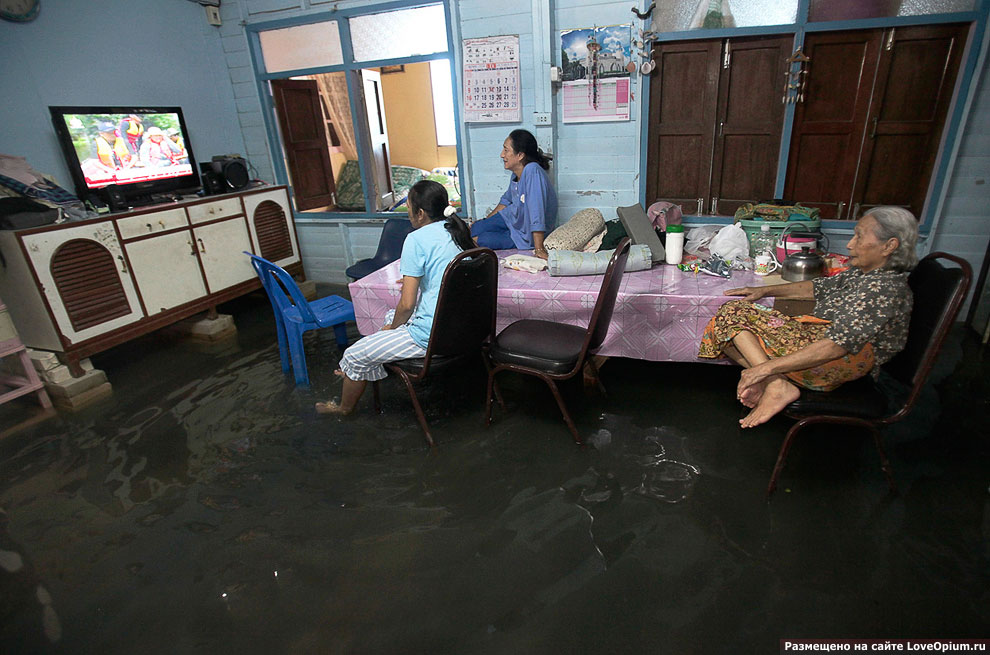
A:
<point x="438" y="237"/>
<point x="528" y="209"/>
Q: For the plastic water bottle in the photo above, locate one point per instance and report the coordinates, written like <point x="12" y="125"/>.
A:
<point x="762" y="242"/>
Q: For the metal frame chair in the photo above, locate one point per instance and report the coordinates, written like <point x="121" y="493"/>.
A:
<point x="294" y="315"/>
<point x="939" y="292"/>
<point x="464" y="320"/>
<point x="556" y="351"/>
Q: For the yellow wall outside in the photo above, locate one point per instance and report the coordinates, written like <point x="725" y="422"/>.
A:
<point x="412" y="134"/>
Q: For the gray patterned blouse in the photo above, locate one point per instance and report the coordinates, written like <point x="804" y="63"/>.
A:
<point x="872" y="307"/>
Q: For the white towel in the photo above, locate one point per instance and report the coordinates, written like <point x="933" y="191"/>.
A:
<point x="526" y="263"/>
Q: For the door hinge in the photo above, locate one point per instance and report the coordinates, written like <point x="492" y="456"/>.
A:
<point x="721" y="125"/>
<point x="890" y="39"/>
<point x="726" y="56"/>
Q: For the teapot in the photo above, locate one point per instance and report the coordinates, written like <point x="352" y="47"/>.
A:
<point x="804" y="265"/>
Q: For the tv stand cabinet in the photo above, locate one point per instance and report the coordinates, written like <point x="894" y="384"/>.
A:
<point x="81" y="287"/>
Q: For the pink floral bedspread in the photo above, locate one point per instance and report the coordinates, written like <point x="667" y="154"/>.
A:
<point x="659" y="313"/>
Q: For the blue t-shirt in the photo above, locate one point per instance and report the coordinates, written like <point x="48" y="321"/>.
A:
<point x="425" y="254"/>
<point x="530" y="205"/>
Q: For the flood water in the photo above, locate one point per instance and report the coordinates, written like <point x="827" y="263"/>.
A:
<point x="206" y="508"/>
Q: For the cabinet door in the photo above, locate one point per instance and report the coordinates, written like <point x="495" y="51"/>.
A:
<point x="683" y="97"/>
<point x="750" y="120"/>
<point x="84" y="277"/>
<point x="915" y="80"/>
<point x="166" y="269"/>
<point x="272" y="229"/>
<point x="829" y="123"/>
<point x="221" y="247"/>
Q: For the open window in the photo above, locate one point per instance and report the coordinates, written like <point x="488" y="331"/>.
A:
<point x="362" y="154"/>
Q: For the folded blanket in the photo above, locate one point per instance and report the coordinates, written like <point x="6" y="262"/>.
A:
<point x="570" y="262"/>
<point x="526" y="263"/>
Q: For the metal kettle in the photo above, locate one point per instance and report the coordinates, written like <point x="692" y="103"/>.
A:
<point x="804" y="265"/>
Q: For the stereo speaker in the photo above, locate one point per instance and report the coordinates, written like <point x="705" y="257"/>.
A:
<point x="115" y="198"/>
<point x="224" y="173"/>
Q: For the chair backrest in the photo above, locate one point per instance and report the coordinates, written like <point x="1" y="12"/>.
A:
<point x="601" y="315"/>
<point x="465" y="314"/>
<point x="282" y="290"/>
<point x="393" y="236"/>
<point x="939" y="292"/>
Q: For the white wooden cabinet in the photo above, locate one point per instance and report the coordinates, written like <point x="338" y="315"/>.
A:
<point x="79" y="288"/>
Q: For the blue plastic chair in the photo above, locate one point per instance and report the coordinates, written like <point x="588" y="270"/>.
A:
<point x="294" y="315"/>
<point x="389" y="248"/>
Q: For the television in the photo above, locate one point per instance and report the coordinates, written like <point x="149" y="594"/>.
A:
<point x="141" y="153"/>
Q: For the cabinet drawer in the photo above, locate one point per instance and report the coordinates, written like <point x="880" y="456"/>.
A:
<point x="210" y="211"/>
<point x="139" y="226"/>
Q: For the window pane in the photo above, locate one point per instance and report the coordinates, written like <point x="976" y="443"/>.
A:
<point x="822" y="10"/>
<point x="303" y="46"/>
<point x="443" y="102"/>
<point x="682" y="15"/>
<point x="403" y="33"/>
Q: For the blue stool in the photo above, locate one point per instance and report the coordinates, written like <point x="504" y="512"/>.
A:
<point x="294" y="315"/>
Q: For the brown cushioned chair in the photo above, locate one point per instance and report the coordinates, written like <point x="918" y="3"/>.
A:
<point x="939" y="292"/>
<point x="464" y="320"/>
<point x="556" y="351"/>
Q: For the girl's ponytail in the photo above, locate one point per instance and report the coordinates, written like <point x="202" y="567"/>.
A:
<point x="459" y="230"/>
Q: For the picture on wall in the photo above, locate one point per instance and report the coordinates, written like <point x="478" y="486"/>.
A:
<point x="595" y="78"/>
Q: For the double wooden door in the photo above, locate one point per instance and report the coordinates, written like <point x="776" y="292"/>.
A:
<point x="868" y="130"/>
<point x="715" y="122"/>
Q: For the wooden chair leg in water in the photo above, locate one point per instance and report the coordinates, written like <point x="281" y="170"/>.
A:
<point x="419" y="410"/>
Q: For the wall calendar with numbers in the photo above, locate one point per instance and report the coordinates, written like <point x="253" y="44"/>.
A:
<point x="491" y="80"/>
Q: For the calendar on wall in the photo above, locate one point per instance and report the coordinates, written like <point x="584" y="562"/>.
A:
<point x="491" y="80"/>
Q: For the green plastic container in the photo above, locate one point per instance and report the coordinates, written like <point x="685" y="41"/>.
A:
<point x="753" y="227"/>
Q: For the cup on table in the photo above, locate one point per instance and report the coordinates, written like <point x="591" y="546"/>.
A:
<point x="765" y="264"/>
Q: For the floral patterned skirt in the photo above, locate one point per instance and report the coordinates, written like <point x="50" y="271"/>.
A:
<point x="781" y="335"/>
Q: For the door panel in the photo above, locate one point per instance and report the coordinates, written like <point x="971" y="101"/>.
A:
<point x="174" y="253"/>
<point x="915" y="80"/>
<point x="683" y="100"/>
<point x="371" y="84"/>
<point x="300" y="117"/>
<point x="829" y="124"/>
<point x="221" y="246"/>
<point x="751" y="117"/>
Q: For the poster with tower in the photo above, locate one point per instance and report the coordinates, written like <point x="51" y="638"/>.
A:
<point x="596" y="78"/>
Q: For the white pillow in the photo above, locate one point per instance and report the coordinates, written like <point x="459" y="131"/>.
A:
<point x="577" y="232"/>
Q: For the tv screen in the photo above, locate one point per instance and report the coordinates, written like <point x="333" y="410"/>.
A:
<point x="143" y="150"/>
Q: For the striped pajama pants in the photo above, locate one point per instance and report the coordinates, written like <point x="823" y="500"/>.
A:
<point x="363" y="360"/>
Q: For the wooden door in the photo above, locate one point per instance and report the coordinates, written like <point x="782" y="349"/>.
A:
<point x="915" y="80"/>
<point x="750" y="121"/>
<point x="829" y="123"/>
<point x="300" y="117"/>
<point x="377" y="146"/>
<point x="683" y="99"/>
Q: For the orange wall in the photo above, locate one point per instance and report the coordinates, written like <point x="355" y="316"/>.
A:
<point x="412" y="134"/>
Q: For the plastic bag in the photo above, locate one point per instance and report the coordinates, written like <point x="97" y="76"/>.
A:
<point x="699" y="237"/>
<point x="730" y="243"/>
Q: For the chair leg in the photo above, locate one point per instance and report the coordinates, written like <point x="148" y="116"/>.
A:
<point x="376" y="394"/>
<point x="563" y="411"/>
<point x="283" y="346"/>
<point x="419" y="410"/>
<point x="782" y="455"/>
<point x="884" y="464"/>
<point x="340" y="334"/>
<point x="488" y="395"/>
<point x="298" y="355"/>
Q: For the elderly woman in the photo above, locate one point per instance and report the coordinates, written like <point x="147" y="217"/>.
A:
<point x="860" y="321"/>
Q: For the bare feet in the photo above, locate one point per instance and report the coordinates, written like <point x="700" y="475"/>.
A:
<point x="778" y="394"/>
<point x="330" y="408"/>
<point x="339" y="373"/>
<point x="750" y="397"/>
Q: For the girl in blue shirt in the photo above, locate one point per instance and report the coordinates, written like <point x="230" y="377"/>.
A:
<point x="438" y="237"/>
<point x="528" y="209"/>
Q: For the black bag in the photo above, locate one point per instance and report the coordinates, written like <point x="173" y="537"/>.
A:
<point x="21" y="213"/>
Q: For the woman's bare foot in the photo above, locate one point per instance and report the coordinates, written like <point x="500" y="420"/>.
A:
<point x="330" y="408"/>
<point x="750" y="397"/>
<point x="778" y="394"/>
<point x="339" y="373"/>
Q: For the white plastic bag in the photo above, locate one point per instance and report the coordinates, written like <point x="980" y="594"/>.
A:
<point x="730" y="243"/>
<point x="698" y="238"/>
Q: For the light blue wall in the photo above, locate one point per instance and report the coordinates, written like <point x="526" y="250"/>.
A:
<point x="113" y="52"/>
